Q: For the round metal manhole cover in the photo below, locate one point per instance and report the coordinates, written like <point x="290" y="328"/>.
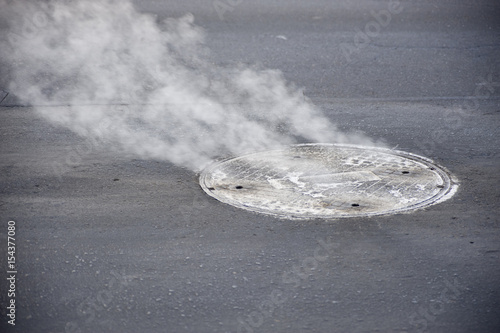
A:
<point x="328" y="181"/>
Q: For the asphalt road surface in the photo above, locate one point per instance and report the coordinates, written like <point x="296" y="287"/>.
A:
<point x="113" y="243"/>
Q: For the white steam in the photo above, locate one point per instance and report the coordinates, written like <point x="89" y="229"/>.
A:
<point x="146" y="86"/>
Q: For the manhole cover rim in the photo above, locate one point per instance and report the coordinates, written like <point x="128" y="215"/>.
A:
<point x="449" y="187"/>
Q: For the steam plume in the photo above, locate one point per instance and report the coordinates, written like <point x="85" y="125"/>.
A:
<point x="147" y="86"/>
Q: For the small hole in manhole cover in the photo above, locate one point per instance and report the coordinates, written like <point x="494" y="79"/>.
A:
<point x="295" y="182"/>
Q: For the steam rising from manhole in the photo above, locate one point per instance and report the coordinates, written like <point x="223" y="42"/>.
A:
<point x="328" y="181"/>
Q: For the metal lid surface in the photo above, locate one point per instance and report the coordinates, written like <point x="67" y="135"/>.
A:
<point x="328" y="181"/>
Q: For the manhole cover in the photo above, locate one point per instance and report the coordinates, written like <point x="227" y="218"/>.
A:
<point x="328" y="181"/>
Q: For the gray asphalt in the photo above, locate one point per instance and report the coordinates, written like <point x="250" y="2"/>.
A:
<point x="106" y="242"/>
